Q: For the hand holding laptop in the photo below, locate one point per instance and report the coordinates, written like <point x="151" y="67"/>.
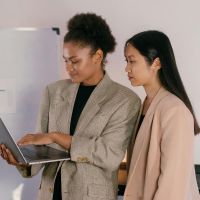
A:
<point x="33" y="148"/>
<point x="7" y="155"/>
<point x="37" y="139"/>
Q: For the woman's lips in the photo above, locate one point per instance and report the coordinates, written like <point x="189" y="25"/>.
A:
<point x="72" y="75"/>
<point x="130" y="77"/>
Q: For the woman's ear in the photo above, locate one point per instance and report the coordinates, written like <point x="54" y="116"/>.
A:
<point x="156" y="65"/>
<point x="98" y="56"/>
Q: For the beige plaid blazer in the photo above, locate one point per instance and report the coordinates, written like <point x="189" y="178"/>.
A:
<point x="99" y="144"/>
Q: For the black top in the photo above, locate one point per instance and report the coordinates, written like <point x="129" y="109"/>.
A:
<point x="82" y="96"/>
<point x="141" y="120"/>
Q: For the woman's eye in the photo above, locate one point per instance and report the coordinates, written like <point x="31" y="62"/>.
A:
<point x="131" y="61"/>
<point x="71" y="61"/>
<point x="74" y="62"/>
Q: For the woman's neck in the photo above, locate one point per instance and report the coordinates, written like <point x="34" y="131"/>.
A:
<point x="151" y="92"/>
<point x="95" y="79"/>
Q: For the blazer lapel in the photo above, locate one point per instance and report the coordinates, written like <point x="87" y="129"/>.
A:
<point x="93" y="104"/>
<point x="66" y="105"/>
<point x="144" y="131"/>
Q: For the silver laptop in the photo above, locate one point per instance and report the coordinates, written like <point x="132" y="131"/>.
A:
<point x="31" y="154"/>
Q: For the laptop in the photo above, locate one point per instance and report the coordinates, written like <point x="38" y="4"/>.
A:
<point x="31" y="154"/>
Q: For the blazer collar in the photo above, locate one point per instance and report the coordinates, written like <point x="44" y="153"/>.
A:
<point x="69" y="94"/>
<point x="98" y="96"/>
<point x="100" y="92"/>
<point x="159" y="96"/>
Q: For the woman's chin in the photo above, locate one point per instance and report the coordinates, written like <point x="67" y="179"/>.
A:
<point x="134" y="84"/>
<point x="75" y="80"/>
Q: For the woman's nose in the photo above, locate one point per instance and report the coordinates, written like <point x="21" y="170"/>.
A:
<point x="69" y="66"/>
<point x="127" y="68"/>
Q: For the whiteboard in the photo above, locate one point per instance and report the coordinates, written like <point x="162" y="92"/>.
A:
<point x="29" y="60"/>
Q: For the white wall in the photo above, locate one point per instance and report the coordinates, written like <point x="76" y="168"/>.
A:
<point x="178" y="19"/>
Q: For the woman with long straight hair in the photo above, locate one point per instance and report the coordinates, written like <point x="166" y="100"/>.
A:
<point x="161" y="152"/>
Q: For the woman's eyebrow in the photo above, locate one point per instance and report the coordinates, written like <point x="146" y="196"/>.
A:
<point x="130" y="56"/>
<point x="69" y="57"/>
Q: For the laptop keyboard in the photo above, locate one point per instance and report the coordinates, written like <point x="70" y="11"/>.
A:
<point x="32" y="154"/>
<point x="42" y="153"/>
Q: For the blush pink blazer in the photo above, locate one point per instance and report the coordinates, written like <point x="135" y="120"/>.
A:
<point x="161" y="166"/>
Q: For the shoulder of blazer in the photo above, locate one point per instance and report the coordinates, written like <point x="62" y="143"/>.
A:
<point x="121" y="94"/>
<point x="61" y="90"/>
<point x="171" y="103"/>
<point x="59" y="87"/>
<point x="60" y="84"/>
<point x="125" y="92"/>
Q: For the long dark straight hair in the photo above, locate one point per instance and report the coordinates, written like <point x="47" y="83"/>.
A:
<point x="155" y="44"/>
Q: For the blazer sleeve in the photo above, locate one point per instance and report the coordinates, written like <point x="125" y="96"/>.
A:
<point x="177" y="129"/>
<point x="108" y="150"/>
<point x="42" y="127"/>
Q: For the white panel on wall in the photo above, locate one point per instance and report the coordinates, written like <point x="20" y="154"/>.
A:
<point x="29" y="60"/>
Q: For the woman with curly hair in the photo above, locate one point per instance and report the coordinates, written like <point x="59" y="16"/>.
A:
<point x="89" y="115"/>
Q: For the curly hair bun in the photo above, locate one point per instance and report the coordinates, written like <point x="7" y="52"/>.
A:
<point x="90" y="29"/>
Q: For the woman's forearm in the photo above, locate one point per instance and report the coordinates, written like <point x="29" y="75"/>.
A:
<point x="61" y="139"/>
